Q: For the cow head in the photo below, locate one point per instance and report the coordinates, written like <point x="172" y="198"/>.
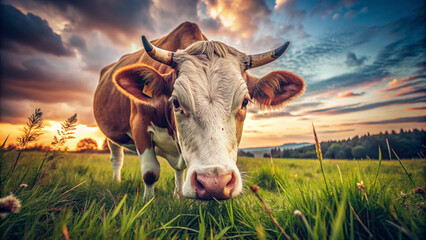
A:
<point x="209" y="90"/>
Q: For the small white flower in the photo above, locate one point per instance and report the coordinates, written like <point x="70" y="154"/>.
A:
<point x="297" y="213"/>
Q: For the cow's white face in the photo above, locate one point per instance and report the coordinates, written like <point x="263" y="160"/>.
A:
<point x="209" y="101"/>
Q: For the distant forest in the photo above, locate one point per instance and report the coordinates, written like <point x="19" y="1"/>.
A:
<point x="407" y="144"/>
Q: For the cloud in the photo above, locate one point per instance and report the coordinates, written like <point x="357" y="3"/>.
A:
<point x="78" y="42"/>
<point x="335" y="16"/>
<point x="291" y="10"/>
<point x="336" y="131"/>
<point x="43" y="79"/>
<point x="399" y="87"/>
<point x="416" y="119"/>
<point x="358" y="108"/>
<point x="416" y="109"/>
<point x="241" y="17"/>
<point x="412" y="91"/>
<point x="352" y="60"/>
<point x="395" y="81"/>
<point x="350" y="93"/>
<point x="350" y="14"/>
<point x="20" y="31"/>
<point x="121" y="20"/>
<point x="294" y="107"/>
<point x="396" y="56"/>
<point x="259" y="116"/>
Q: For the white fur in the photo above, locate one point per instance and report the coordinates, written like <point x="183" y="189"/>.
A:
<point x="211" y="92"/>
<point x="117" y="156"/>
<point x="149" y="162"/>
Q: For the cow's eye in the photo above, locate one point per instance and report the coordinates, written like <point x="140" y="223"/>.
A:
<point x="245" y="102"/>
<point x="176" y="103"/>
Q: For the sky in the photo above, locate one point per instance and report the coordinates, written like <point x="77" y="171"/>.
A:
<point x="364" y="62"/>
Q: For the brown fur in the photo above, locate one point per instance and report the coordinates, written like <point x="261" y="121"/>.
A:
<point x="275" y="89"/>
<point x="117" y="115"/>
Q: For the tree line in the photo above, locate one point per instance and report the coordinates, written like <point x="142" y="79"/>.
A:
<point x="407" y="144"/>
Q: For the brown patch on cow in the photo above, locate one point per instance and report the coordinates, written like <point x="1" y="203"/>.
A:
<point x="239" y="122"/>
<point x="274" y="89"/>
<point x="117" y="115"/>
<point x="132" y="79"/>
<point x="150" y="178"/>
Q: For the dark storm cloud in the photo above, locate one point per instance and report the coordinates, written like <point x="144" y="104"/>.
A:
<point x="351" y="108"/>
<point x="20" y="31"/>
<point x="78" y="42"/>
<point x="352" y="60"/>
<point x="119" y="19"/>
<point x="416" y="119"/>
<point x="36" y="78"/>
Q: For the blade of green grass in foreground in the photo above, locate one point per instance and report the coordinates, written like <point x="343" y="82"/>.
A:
<point x="380" y="164"/>
<point x="337" y="227"/>
<point x="402" y="165"/>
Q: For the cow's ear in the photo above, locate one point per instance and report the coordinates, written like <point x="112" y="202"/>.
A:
<point x="143" y="83"/>
<point x="276" y="88"/>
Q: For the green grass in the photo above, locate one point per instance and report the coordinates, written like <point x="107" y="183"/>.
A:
<point x="100" y="208"/>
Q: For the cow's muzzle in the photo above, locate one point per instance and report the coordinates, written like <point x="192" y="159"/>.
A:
<point x="213" y="187"/>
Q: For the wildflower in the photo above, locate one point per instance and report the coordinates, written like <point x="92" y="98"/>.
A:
<point x="418" y="190"/>
<point x="9" y="204"/>
<point x="403" y="194"/>
<point x="254" y="188"/>
<point x="297" y="213"/>
<point x="361" y="186"/>
<point x="23" y="185"/>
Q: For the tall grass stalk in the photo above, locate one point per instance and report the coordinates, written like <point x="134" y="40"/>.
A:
<point x="30" y="133"/>
<point x="402" y="165"/>
<point x="380" y="164"/>
<point x="319" y="155"/>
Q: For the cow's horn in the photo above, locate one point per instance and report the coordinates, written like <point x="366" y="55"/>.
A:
<point x="252" y="61"/>
<point x="158" y="54"/>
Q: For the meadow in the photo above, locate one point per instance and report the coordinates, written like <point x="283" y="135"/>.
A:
<point x="74" y="197"/>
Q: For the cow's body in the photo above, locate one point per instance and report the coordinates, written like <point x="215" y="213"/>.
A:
<point x="195" y="105"/>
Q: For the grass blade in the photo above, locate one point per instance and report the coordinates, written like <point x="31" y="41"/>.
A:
<point x="319" y="154"/>
<point x="402" y="165"/>
<point x="380" y="164"/>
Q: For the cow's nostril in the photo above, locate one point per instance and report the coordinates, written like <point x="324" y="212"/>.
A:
<point x="197" y="184"/>
<point x="231" y="182"/>
<point x="209" y="186"/>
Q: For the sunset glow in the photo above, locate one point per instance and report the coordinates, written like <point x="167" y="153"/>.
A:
<point x="363" y="63"/>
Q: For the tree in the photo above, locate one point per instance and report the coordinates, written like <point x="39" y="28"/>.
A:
<point x="358" y="151"/>
<point x="105" y="147"/>
<point x="87" y="145"/>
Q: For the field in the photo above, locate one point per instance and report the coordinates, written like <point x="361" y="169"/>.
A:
<point x="75" y="196"/>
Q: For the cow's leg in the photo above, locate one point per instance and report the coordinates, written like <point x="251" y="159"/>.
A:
<point x="117" y="156"/>
<point x="179" y="179"/>
<point x="150" y="168"/>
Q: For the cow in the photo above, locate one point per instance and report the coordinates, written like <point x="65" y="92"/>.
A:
<point x="185" y="98"/>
